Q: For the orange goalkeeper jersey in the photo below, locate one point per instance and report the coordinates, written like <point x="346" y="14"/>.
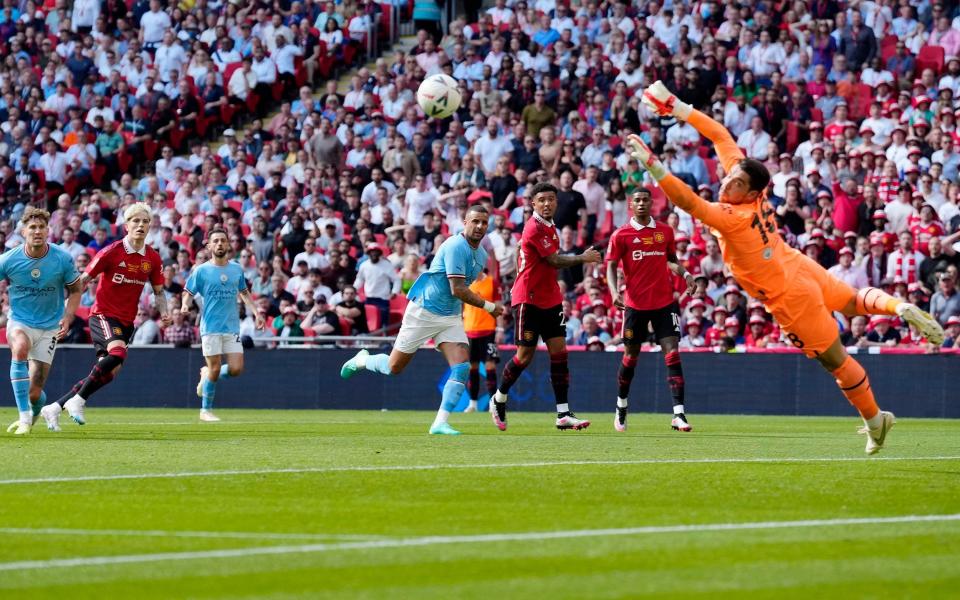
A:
<point x="476" y="321"/>
<point x="749" y="240"/>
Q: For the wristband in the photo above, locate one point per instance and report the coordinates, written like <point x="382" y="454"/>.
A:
<point x="489" y="306"/>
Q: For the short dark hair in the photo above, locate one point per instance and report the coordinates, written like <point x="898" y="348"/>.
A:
<point x="543" y="187"/>
<point x="757" y="173"/>
<point x="214" y="231"/>
<point x="641" y="190"/>
<point x="480" y="208"/>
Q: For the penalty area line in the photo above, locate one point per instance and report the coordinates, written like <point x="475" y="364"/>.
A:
<point x="440" y="467"/>
<point x="240" y="535"/>
<point x="91" y="561"/>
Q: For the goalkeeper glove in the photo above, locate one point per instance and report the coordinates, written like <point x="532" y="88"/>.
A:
<point x="661" y="101"/>
<point x="647" y="159"/>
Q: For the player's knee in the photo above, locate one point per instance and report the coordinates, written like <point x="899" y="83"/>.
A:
<point x="235" y="371"/>
<point x="459" y="372"/>
<point x="395" y="366"/>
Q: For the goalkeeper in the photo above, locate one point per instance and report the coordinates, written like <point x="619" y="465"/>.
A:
<point x="799" y="293"/>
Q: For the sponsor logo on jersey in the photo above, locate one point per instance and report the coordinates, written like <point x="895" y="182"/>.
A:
<point x="123" y="264"/>
<point x="647" y="241"/>
<point x="640" y="254"/>
<point x="636" y="240"/>
<point x="121" y="278"/>
<point x="35" y="273"/>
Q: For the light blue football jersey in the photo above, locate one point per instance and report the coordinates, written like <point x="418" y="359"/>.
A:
<point x="455" y="258"/>
<point x="219" y="287"/>
<point x="37" y="285"/>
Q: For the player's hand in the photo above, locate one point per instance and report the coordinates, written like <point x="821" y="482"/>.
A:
<point x="618" y="301"/>
<point x="642" y="153"/>
<point x="497" y="309"/>
<point x="591" y="255"/>
<point x="662" y="101"/>
<point x="691" y="283"/>
<point x="65" y="323"/>
<point x="260" y="321"/>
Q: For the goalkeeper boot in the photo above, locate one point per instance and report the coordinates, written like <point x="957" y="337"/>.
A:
<point x="876" y="436"/>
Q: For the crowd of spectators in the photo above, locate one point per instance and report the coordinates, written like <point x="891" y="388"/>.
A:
<point x="335" y="201"/>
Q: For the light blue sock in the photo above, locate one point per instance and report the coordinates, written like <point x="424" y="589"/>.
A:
<point x="20" y="380"/>
<point x="209" y="389"/>
<point x="41" y="402"/>
<point x="454" y="387"/>
<point x="225" y="372"/>
<point x="379" y="363"/>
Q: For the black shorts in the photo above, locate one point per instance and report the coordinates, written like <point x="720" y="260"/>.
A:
<point x="104" y="330"/>
<point x="666" y="323"/>
<point x="533" y="323"/>
<point x="483" y="349"/>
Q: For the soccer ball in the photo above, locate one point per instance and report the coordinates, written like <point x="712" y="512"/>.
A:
<point x="439" y="96"/>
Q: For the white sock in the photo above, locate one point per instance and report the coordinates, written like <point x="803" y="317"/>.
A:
<point x="473" y="403"/>
<point x="875" y="421"/>
<point x="621" y="402"/>
<point x="442" y="416"/>
<point x="361" y="361"/>
<point x="499" y="397"/>
<point x="678" y="409"/>
<point x="562" y="408"/>
<point x="26" y="416"/>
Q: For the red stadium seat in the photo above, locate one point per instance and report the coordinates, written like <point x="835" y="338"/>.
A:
<point x="930" y="57"/>
<point x="712" y="169"/>
<point x="345" y="327"/>
<point x="862" y="97"/>
<point x="793" y="136"/>
<point x="373" y="317"/>
<point x="888" y="47"/>
<point x="816" y="115"/>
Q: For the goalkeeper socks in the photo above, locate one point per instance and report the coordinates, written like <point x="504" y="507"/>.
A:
<point x="379" y="363"/>
<point x="209" y="389"/>
<point x="473" y="386"/>
<point x="871" y="301"/>
<point x="855" y="385"/>
<point x="675" y="379"/>
<point x="560" y="380"/>
<point x="625" y="375"/>
<point x="511" y="373"/>
<point x="225" y="372"/>
<point x="452" y="390"/>
<point x="20" y="380"/>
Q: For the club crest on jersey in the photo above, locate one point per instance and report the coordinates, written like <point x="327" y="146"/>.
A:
<point x="35" y="273"/>
<point x="223" y="278"/>
<point x="658" y="237"/>
<point x="145" y="266"/>
<point x="546" y="243"/>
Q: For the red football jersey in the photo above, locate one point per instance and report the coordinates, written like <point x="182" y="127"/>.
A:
<point x="124" y="273"/>
<point x="922" y="234"/>
<point x="536" y="282"/>
<point x="643" y="250"/>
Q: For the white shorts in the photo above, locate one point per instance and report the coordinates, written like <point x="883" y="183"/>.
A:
<point x="420" y="326"/>
<point x="43" y="342"/>
<point x="215" y="344"/>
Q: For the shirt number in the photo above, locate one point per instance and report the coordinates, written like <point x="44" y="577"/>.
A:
<point x="763" y="223"/>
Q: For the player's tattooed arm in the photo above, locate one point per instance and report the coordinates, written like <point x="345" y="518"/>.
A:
<point x="252" y="308"/>
<point x="74" y="291"/>
<point x="160" y="298"/>
<point x="458" y="287"/>
<point x="186" y="301"/>
<point x="563" y="261"/>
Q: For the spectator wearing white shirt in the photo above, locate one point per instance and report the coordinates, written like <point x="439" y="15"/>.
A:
<point x="153" y="25"/>
<point x="490" y="147"/>
<point x="266" y="72"/>
<point x="285" y="58"/>
<point x="378" y="280"/>
<point x="419" y="200"/>
<point x="81" y="156"/>
<point x="69" y="243"/>
<point x="60" y="101"/>
<point x="310" y="255"/>
<point x="169" y="57"/>
<point x="848" y="272"/>
<point x="755" y="140"/>
<point x="500" y="12"/>
<point x="54" y="165"/>
<point x="737" y="115"/>
<point x="242" y="82"/>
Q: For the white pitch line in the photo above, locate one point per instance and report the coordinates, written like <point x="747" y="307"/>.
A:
<point x="462" y="539"/>
<point x="222" y="423"/>
<point x="437" y="467"/>
<point x="241" y="535"/>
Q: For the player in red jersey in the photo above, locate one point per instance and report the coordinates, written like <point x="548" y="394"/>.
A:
<point x="648" y="253"/>
<point x="538" y="307"/>
<point x="126" y="266"/>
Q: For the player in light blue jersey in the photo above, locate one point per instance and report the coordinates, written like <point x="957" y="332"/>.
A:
<point x="219" y="282"/>
<point x="435" y="312"/>
<point x="38" y="273"/>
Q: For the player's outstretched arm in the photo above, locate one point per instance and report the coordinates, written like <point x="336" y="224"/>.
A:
<point x="160" y="298"/>
<point x="677" y="191"/>
<point x="663" y="102"/>
<point x="458" y="287"/>
<point x="562" y="261"/>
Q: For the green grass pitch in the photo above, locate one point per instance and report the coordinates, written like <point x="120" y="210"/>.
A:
<point x="308" y="504"/>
